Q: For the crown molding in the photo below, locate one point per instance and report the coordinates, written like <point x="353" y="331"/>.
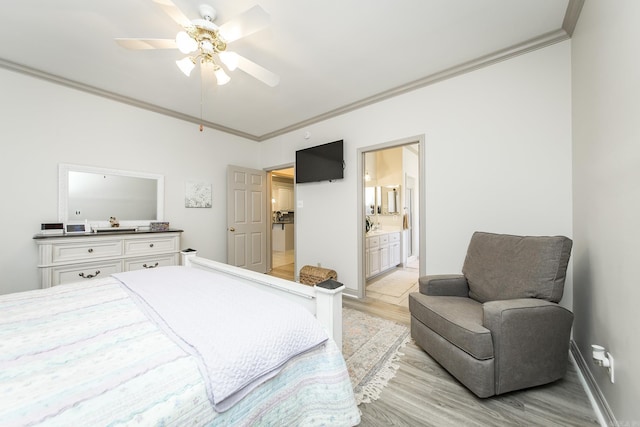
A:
<point x="52" y="78"/>
<point x="572" y="13"/>
<point x="467" y="67"/>
<point x="568" y="25"/>
<point x="571" y="16"/>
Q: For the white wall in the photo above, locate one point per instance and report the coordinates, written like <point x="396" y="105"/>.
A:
<point x="498" y="158"/>
<point x="606" y="159"/>
<point x="44" y="124"/>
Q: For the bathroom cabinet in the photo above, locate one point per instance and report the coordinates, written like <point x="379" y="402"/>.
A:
<point x="382" y="252"/>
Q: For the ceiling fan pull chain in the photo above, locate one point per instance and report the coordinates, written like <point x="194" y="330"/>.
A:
<point x="201" y="96"/>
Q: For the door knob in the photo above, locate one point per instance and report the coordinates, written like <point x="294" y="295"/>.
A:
<point x="232" y="229"/>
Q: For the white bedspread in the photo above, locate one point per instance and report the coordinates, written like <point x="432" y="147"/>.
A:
<point x="84" y="354"/>
<point x="237" y="349"/>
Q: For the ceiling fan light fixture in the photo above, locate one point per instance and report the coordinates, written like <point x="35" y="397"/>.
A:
<point x="185" y="43"/>
<point x="186" y="65"/>
<point x="204" y="43"/>
<point x="221" y="76"/>
<point x="229" y="59"/>
<point x="207" y="46"/>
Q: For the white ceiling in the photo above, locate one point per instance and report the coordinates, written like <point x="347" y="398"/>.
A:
<point x="331" y="55"/>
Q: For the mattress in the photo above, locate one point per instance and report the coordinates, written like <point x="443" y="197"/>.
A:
<point x="87" y="354"/>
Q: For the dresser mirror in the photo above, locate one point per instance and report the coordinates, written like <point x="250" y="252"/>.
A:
<point x="94" y="194"/>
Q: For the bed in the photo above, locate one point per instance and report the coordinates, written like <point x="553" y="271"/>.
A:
<point x="202" y="344"/>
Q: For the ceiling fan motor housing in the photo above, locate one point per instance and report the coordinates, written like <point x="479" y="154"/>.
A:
<point x="208" y="13"/>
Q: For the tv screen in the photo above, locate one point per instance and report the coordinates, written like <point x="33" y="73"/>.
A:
<point x="320" y="163"/>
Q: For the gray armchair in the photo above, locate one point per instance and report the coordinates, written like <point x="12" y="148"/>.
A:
<point x="498" y="327"/>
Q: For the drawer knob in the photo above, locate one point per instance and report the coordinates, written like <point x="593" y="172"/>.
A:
<point x="90" y="250"/>
<point x="150" y="266"/>
<point x="150" y="245"/>
<point x="89" y="276"/>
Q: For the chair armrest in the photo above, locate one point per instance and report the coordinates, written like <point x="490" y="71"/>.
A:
<point x="452" y="285"/>
<point x="530" y="341"/>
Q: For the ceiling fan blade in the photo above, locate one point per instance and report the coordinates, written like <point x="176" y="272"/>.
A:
<point x="257" y="71"/>
<point x="246" y="23"/>
<point x="140" y="44"/>
<point x="174" y="13"/>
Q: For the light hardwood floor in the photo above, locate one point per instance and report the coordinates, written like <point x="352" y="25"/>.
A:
<point x="394" y="286"/>
<point x="283" y="272"/>
<point x="424" y="394"/>
<point x="282" y="265"/>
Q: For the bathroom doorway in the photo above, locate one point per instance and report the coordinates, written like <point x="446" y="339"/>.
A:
<point x="391" y="213"/>
<point x="282" y="214"/>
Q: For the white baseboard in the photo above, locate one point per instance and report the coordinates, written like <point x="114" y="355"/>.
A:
<point x="600" y="406"/>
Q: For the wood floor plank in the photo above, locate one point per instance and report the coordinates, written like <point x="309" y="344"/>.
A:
<point x="424" y="394"/>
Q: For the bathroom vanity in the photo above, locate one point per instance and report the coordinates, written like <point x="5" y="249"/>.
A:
<point x="382" y="251"/>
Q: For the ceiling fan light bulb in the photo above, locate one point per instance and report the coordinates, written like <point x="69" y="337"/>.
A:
<point x="185" y="43"/>
<point x="207" y="46"/>
<point x="186" y="65"/>
<point x="229" y="59"/>
<point x="221" y="76"/>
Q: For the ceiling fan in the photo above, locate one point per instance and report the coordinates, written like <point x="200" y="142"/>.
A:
<point x="205" y="43"/>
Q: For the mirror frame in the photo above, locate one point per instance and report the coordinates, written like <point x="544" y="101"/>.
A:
<point x="63" y="192"/>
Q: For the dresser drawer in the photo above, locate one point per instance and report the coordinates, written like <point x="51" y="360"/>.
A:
<point x="73" y="258"/>
<point x="150" y="262"/>
<point x="86" y="271"/>
<point x="81" y="251"/>
<point x="394" y="237"/>
<point x="374" y="242"/>
<point x="384" y="239"/>
<point x="151" y="246"/>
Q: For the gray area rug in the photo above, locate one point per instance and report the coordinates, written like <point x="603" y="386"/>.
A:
<point x="371" y="347"/>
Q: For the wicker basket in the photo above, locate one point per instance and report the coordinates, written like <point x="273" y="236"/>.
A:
<point x="310" y="275"/>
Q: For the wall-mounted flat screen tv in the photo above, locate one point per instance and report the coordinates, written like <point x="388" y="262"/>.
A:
<point x="320" y="163"/>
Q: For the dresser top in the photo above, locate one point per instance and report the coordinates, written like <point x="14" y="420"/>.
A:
<point x="104" y="233"/>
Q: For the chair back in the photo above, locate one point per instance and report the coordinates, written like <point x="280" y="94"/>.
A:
<point x="502" y="266"/>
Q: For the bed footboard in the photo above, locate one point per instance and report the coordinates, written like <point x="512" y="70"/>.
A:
<point x="323" y="300"/>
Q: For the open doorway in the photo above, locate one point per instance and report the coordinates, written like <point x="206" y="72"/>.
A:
<point x="282" y="214"/>
<point x="391" y="218"/>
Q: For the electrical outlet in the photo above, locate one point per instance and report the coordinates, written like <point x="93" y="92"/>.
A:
<point x="319" y="265"/>
<point x="610" y="368"/>
<point x="603" y="360"/>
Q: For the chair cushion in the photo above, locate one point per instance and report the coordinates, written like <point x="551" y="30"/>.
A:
<point x="501" y="266"/>
<point x="456" y="319"/>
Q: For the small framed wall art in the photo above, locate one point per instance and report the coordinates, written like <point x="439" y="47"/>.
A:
<point x="197" y="195"/>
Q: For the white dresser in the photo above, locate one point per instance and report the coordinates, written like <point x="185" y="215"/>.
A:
<point x="70" y="258"/>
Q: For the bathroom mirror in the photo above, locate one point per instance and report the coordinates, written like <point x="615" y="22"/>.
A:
<point x="96" y="194"/>
<point x="370" y="200"/>
<point x="382" y="200"/>
<point x="391" y="199"/>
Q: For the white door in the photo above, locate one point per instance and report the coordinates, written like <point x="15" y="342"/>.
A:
<point x="246" y="218"/>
